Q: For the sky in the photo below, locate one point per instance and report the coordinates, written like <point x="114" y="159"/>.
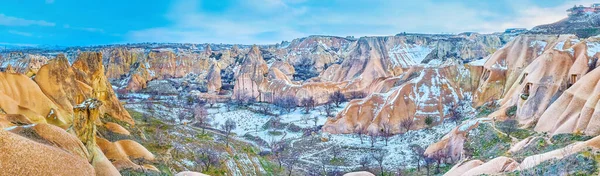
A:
<point x="89" y="22"/>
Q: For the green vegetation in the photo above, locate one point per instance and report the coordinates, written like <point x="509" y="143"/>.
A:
<point x="205" y="137"/>
<point x="275" y="133"/>
<point x="511" y="127"/>
<point x="176" y="146"/>
<point x="486" y="143"/>
<point x="484" y="111"/>
<point x="512" y="111"/>
<point x="428" y="121"/>
<point x="576" y="164"/>
<point x="337" y="161"/>
<point x="540" y="145"/>
<point x="270" y="168"/>
<point x="587" y="32"/>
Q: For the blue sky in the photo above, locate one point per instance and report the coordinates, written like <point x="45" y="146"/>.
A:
<point x="87" y="22"/>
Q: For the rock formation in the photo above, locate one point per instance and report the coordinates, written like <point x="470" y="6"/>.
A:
<point x="89" y="69"/>
<point x="54" y="152"/>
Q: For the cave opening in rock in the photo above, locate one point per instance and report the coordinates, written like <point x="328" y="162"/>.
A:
<point x="572" y="80"/>
<point x="523" y="78"/>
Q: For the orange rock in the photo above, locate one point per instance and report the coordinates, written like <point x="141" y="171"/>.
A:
<point x="122" y="152"/>
<point x="17" y="93"/>
<point x="90" y="70"/>
<point x="360" y="173"/>
<point x="116" y="128"/>
<point x="190" y="173"/>
<point x="22" y="156"/>
<point x="451" y="145"/>
<point x="460" y="168"/>
<point x="494" y="166"/>
<point x="417" y="94"/>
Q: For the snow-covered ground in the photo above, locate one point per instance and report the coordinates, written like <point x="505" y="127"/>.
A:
<point x="251" y="123"/>
<point x="311" y="148"/>
<point x="398" y="152"/>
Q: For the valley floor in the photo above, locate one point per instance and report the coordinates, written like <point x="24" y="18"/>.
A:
<point x="315" y="151"/>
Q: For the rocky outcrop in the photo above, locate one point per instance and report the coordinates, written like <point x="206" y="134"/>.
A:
<point x="121" y="153"/>
<point x="502" y="165"/>
<point x="23" y="156"/>
<point x="119" y="61"/>
<point x="584" y="25"/>
<point x="86" y="115"/>
<point x="190" y="173"/>
<point x="494" y="166"/>
<point x="451" y="145"/>
<point x="213" y="79"/>
<point x="460" y="168"/>
<point x="27" y="64"/>
<point x="415" y="95"/>
<point x="319" y="50"/>
<point x="574" y="110"/>
<point x="503" y="68"/>
<point x="359" y="173"/>
<point x="16" y="94"/>
<point x="89" y="69"/>
<point x="250" y="77"/>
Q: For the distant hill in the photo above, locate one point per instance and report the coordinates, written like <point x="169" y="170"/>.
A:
<point x="583" y="25"/>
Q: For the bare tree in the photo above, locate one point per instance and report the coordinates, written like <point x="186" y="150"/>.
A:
<point x="229" y="126"/>
<point x="359" y="131"/>
<point x="182" y="116"/>
<point x="306" y="118"/>
<point x="364" y="162"/>
<point x="337" y="98"/>
<point x="207" y="157"/>
<point x="386" y="131"/>
<point x="324" y="162"/>
<point x="290" y="160"/>
<point x="201" y="117"/>
<point x="228" y="104"/>
<point x="145" y="117"/>
<point x="211" y="102"/>
<point x="407" y="124"/>
<point x="277" y="147"/>
<point x="509" y="126"/>
<point x="308" y="104"/>
<point x="316" y="120"/>
<point x="314" y="171"/>
<point x="379" y="156"/>
<point x="358" y="94"/>
<point x="418" y="154"/>
<point x="149" y="106"/>
<point x="373" y="139"/>
<point x="265" y="109"/>
<point x="457" y="111"/>
<point x="438" y="157"/>
<point x="335" y="151"/>
<point x="400" y="170"/>
<point x="329" y="110"/>
<point x="241" y="98"/>
<point x="428" y="162"/>
<point x="287" y="103"/>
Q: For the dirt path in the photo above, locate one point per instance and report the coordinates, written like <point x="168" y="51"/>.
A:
<point x="512" y="138"/>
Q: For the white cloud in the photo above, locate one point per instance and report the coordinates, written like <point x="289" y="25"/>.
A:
<point x="88" y="29"/>
<point x="15" y="21"/>
<point x="17" y="44"/>
<point x="529" y="15"/>
<point x="270" y="21"/>
<point x="26" y="34"/>
<point x="193" y="26"/>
